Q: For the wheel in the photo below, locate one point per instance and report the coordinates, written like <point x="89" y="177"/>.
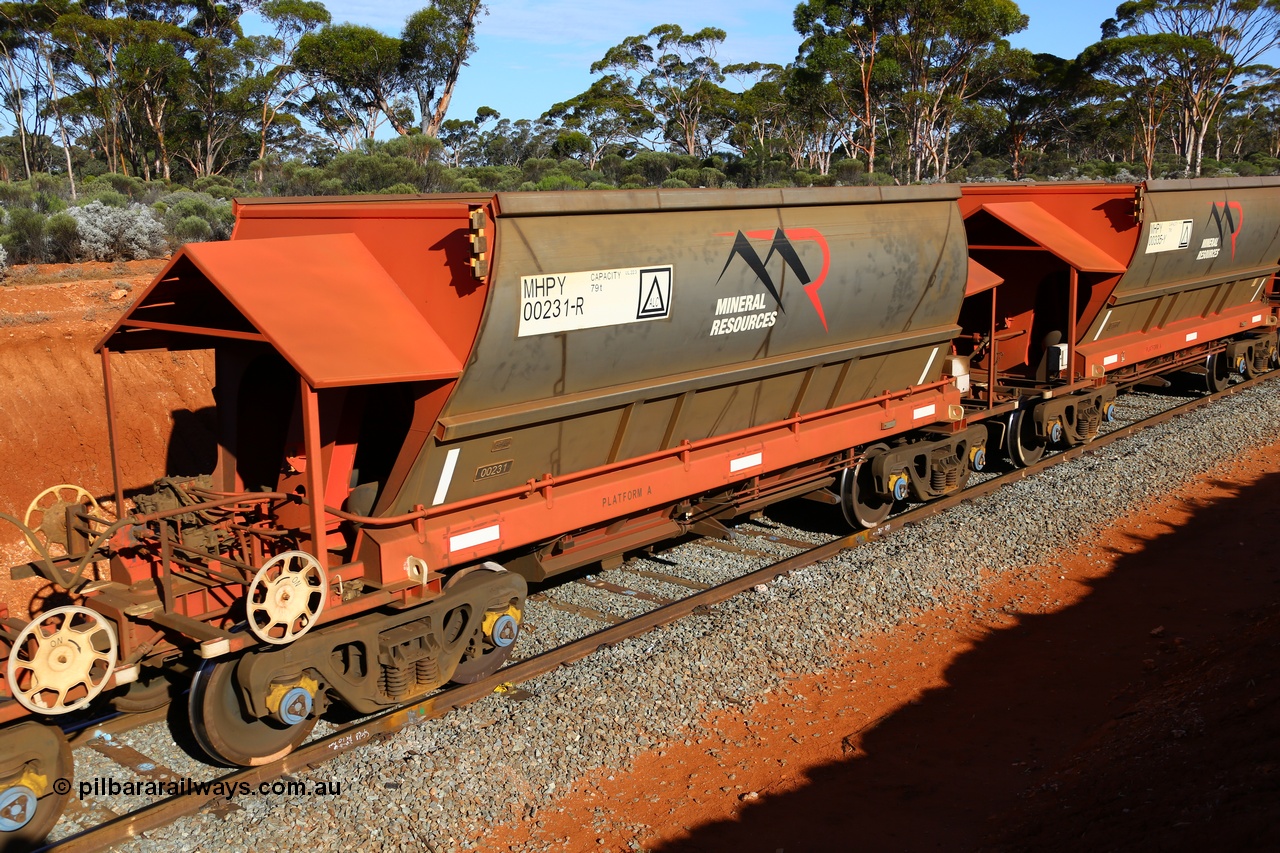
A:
<point x="47" y="514"/>
<point x="286" y="597"/>
<point x="225" y="730"/>
<point x="29" y="805"/>
<point x="62" y="660"/>
<point x="491" y="646"/>
<point x="1217" y="372"/>
<point x="859" y="503"/>
<point x="1023" y="447"/>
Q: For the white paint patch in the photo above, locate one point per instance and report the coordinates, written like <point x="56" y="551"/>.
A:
<point x="1110" y="360"/>
<point x="1106" y="318"/>
<point x="1257" y="318"/>
<point x="1169" y="235"/>
<point x="562" y="302"/>
<point x="744" y="462"/>
<point x="1191" y="336"/>
<point x="214" y="648"/>
<point x="928" y="364"/>
<point x="474" y="538"/>
<point x="446" y="476"/>
<point x="924" y="412"/>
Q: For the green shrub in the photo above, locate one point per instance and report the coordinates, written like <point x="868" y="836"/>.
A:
<point x="24" y="236"/>
<point x="849" y="171"/>
<point x="62" y="238"/>
<point x="536" y="168"/>
<point x="105" y="194"/>
<point x="177" y="207"/>
<point x="192" y="229"/>
<point x="689" y="177"/>
<point x="674" y="184"/>
<point x="557" y="181"/>
<point x="126" y="185"/>
<point x="218" y="186"/>
<point x="399" y="189"/>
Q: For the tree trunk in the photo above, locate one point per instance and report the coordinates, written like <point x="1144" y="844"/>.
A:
<point x="17" y="114"/>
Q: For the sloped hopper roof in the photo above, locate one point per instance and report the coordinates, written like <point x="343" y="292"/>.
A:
<point x="1040" y="226"/>
<point x="980" y="279"/>
<point x="324" y="302"/>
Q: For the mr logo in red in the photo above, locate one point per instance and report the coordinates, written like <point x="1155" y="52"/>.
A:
<point x="1229" y="217"/>
<point x="783" y="245"/>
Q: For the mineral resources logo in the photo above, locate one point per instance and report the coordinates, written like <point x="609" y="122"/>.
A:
<point x="782" y="243"/>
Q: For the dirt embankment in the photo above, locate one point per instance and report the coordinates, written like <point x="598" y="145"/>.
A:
<point x="53" y="425"/>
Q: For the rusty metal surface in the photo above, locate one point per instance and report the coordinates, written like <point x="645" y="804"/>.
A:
<point x="1040" y="226"/>
<point x="1222" y="260"/>
<point x="323" y="302"/>
<point x="980" y="279"/>
<point x="767" y="304"/>
<point x="652" y="200"/>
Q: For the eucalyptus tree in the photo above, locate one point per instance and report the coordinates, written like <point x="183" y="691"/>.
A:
<point x="18" y="52"/>
<point x="948" y="52"/>
<point x="436" y="42"/>
<point x="277" y="85"/>
<point x="1033" y="93"/>
<point x="604" y="115"/>
<point x="218" y="105"/>
<point x="1201" y="48"/>
<point x="843" y="42"/>
<point x="460" y="138"/>
<point x="357" y="78"/>
<point x="154" y="71"/>
<point x="670" y="79"/>
<point x="1132" y="77"/>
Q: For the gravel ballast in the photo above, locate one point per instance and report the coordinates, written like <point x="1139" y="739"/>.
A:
<point x="439" y="785"/>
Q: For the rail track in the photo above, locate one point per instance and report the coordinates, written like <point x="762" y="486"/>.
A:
<point x="100" y="736"/>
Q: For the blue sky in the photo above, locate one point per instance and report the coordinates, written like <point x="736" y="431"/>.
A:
<point x="534" y="53"/>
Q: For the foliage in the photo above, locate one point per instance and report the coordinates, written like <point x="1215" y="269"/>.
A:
<point x="113" y="233"/>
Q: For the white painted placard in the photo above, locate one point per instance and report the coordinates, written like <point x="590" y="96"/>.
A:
<point x="1169" y="235"/>
<point x="563" y="302"/>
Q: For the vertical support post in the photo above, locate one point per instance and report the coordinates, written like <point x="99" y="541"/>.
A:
<point x="111" y="431"/>
<point x="1072" y="297"/>
<point x="166" y="568"/>
<point x="315" y="472"/>
<point x="991" y="357"/>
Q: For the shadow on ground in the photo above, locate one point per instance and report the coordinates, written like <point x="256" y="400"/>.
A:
<point x="1080" y="729"/>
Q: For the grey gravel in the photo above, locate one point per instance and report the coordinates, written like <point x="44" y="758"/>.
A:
<point x="439" y="785"/>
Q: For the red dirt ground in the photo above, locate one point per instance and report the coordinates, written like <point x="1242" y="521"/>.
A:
<point x="52" y="410"/>
<point x="1122" y="696"/>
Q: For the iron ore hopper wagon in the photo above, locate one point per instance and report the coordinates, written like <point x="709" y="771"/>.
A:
<point x="424" y="403"/>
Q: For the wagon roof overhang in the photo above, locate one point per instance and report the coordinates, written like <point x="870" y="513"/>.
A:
<point x="980" y="279"/>
<point x="1054" y="235"/>
<point x="323" y="302"/>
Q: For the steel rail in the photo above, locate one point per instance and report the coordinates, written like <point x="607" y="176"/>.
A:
<point x="384" y="724"/>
